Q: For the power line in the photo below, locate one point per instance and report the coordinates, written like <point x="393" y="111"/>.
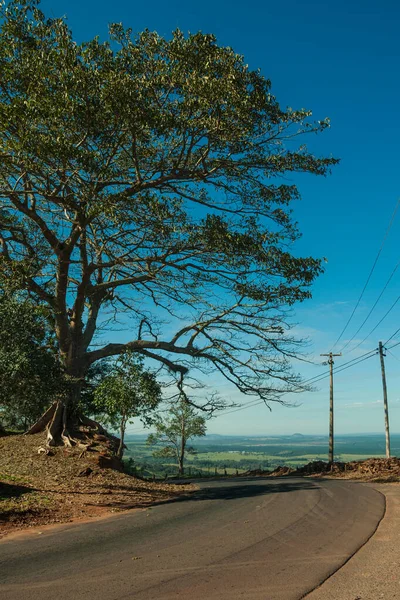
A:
<point x="323" y="375"/>
<point x="377" y="325"/>
<point x="314" y="379"/>
<point x="371" y="352"/>
<point x="392" y="336"/>
<point x="347" y="365"/>
<point x="394" y="356"/>
<point x="246" y="406"/>
<point x="370" y="274"/>
<point x="373" y="308"/>
<point x="339" y="370"/>
<point x="394" y="346"/>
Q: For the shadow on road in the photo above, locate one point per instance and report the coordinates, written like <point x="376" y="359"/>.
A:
<point x="243" y="490"/>
<point x="233" y="491"/>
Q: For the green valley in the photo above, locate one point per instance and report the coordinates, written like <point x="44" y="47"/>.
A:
<point x="220" y="454"/>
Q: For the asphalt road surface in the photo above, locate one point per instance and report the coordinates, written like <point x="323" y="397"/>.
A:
<point x="252" y="539"/>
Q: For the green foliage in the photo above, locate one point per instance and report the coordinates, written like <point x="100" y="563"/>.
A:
<point x="95" y="375"/>
<point x="30" y="375"/>
<point x="150" y="174"/>
<point x="173" y="432"/>
<point x="127" y="392"/>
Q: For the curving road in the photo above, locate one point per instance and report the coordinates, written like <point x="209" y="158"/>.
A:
<point x="250" y="539"/>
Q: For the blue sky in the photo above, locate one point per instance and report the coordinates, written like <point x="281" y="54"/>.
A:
<point x="340" y="59"/>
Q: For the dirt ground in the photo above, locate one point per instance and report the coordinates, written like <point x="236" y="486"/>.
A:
<point x="377" y="470"/>
<point x="67" y="484"/>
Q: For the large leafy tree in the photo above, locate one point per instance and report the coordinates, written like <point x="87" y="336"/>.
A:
<point x="148" y="175"/>
<point x="173" y="432"/>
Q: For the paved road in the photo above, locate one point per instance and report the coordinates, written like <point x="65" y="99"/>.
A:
<point x="374" y="572"/>
<point x="249" y="539"/>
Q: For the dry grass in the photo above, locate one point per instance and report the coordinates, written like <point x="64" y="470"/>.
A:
<point x="377" y="470"/>
<point x="38" y="488"/>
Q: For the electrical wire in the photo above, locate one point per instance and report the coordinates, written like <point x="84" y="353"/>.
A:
<point x="340" y="369"/>
<point x="394" y="346"/>
<point x="323" y="375"/>
<point x="392" y="336"/>
<point x="245" y="407"/>
<point x="394" y="356"/>
<point x="347" y="365"/>
<point x="377" y="325"/>
<point x="372" y="309"/>
<point x="314" y="379"/>
<point x="370" y="274"/>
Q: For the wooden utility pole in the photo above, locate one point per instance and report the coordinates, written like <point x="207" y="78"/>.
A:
<point x="331" y="363"/>
<point x="385" y="401"/>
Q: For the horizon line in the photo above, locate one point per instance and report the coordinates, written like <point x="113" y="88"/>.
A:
<point x="277" y="435"/>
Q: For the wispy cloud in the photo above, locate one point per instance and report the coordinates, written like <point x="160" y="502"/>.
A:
<point x="392" y="404"/>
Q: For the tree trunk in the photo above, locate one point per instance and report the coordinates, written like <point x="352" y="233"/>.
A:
<point x="120" y="451"/>
<point x="62" y="415"/>
<point x="181" y="470"/>
<point x="65" y="416"/>
<point x="181" y="457"/>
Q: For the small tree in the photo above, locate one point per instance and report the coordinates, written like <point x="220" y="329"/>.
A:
<point x="96" y="375"/>
<point x="128" y="392"/>
<point x="174" y="432"/>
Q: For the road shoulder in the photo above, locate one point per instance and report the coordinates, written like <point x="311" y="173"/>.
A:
<point x="374" y="571"/>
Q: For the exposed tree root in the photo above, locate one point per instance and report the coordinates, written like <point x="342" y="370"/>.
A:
<point x="54" y="420"/>
<point x="59" y="428"/>
<point x="65" y="436"/>
<point x="54" y="426"/>
<point x="43" y="421"/>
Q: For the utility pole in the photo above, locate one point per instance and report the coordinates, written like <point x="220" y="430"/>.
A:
<point x="331" y="363"/>
<point x="385" y="401"/>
